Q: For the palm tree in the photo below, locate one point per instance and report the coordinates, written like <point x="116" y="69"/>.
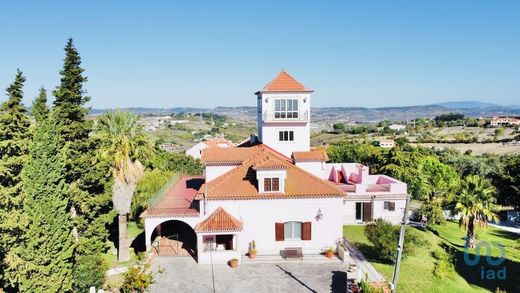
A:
<point x="123" y="143"/>
<point x="476" y="204"/>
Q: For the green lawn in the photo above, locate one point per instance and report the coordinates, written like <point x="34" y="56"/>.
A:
<point x="416" y="274"/>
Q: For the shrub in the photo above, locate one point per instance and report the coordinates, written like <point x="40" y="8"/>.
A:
<point x="433" y="212"/>
<point x="382" y="235"/>
<point x="385" y="239"/>
<point x="137" y="278"/>
<point x="179" y="163"/>
<point x="89" y="271"/>
<point x="444" y="264"/>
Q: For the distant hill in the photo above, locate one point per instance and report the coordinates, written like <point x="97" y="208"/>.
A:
<point x="466" y="105"/>
<point x="352" y="114"/>
<point x="150" y="111"/>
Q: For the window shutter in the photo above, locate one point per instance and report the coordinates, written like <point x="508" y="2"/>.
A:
<point x="306" y="231"/>
<point x="279" y="231"/>
<point x="391" y="206"/>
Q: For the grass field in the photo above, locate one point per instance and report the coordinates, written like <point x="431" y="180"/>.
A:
<point x="416" y="274"/>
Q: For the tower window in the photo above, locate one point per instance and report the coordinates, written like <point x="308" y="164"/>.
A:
<point x="286" y="135"/>
<point x="286" y="108"/>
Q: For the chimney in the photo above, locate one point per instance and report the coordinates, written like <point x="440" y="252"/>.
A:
<point x="362" y="172"/>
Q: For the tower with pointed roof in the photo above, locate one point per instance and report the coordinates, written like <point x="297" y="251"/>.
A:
<point x="283" y="107"/>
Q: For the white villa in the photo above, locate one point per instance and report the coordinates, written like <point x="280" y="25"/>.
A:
<point x="272" y="189"/>
<point x="218" y="142"/>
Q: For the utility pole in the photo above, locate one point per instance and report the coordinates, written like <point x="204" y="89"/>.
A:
<point x="400" y="245"/>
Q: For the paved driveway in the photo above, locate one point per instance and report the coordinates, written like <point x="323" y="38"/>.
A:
<point x="183" y="274"/>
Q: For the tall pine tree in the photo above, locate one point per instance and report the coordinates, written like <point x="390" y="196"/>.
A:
<point x="43" y="260"/>
<point x="14" y="137"/>
<point x="87" y="175"/>
<point x="40" y="111"/>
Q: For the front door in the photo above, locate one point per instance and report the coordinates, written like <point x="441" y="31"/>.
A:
<point x="359" y="212"/>
<point x="363" y="212"/>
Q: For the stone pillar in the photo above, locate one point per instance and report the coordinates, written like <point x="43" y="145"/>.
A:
<point x="148" y="230"/>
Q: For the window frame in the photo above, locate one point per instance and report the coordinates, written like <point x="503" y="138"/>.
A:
<point x="291" y="231"/>
<point x="286" y="108"/>
<point x="286" y="135"/>
<point x="270" y="183"/>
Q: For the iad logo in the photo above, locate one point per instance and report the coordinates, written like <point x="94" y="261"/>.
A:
<point x="495" y="270"/>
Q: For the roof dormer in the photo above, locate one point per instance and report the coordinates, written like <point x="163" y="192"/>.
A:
<point x="270" y="175"/>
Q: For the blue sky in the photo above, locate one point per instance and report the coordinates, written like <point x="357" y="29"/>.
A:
<point x="205" y="54"/>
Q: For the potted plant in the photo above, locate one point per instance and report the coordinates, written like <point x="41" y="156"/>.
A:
<point x="233" y="262"/>
<point x="328" y="251"/>
<point x="252" y="250"/>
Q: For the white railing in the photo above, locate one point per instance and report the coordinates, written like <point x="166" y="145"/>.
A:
<point x="302" y="116"/>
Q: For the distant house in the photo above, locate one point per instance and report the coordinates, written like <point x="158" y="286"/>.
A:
<point x="272" y="189"/>
<point x="397" y="127"/>
<point x="196" y="150"/>
<point x="505" y="121"/>
<point x="387" y="143"/>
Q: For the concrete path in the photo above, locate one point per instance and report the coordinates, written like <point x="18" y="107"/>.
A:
<point x="363" y="263"/>
<point x="183" y="274"/>
<point x="507" y="226"/>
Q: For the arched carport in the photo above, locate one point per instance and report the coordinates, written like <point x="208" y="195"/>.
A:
<point x="174" y="238"/>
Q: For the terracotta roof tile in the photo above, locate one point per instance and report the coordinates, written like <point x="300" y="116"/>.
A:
<point x="312" y="156"/>
<point x="240" y="182"/>
<point x="226" y="155"/>
<point x="284" y="83"/>
<point x="177" y="200"/>
<point x="269" y="164"/>
<point x="219" y="221"/>
<point x="218" y="142"/>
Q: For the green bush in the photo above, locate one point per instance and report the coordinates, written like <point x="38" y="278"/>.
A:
<point x="89" y="271"/>
<point x="179" y="163"/>
<point x="149" y="185"/>
<point x="385" y="239"/>
<point x="444" y="264"/>
<point x="433" y="212"/>
<point x="137" y="278"/>
<point x="382" y="235"/>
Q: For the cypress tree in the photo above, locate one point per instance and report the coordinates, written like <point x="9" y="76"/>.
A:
<point x="87" y="175"/>
<point x="39" y="106"/>
<point x="43" y="261"/>
<point x="14" y="137"/>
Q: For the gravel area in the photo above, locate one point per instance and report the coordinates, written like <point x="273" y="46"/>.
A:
<point x="183" y="274"/>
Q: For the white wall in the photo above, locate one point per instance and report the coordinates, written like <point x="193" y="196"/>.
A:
<point x="262" y="174"/>
<point x="195" y="151"/>
<point x="301" y="141"/>
<point x="315" y="168"/>
<point x="151" y="223"/>
<point x="259" y="218"/>
<point x="213" y="172"/>
<point x="395" y="217"/>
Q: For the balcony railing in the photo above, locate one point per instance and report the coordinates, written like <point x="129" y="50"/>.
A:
<point x="301" y="117"/>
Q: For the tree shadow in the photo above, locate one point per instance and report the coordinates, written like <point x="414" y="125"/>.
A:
<point x="296" y="279"/>
<point x="339" y="282"/>
<point x="138" y="244"/>
<point x="113" y="233"/>
<point x="505" y="234"/>
<point x="478" y="274"/>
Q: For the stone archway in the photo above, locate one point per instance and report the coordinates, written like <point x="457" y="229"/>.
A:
<point x="174" y="238"/>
